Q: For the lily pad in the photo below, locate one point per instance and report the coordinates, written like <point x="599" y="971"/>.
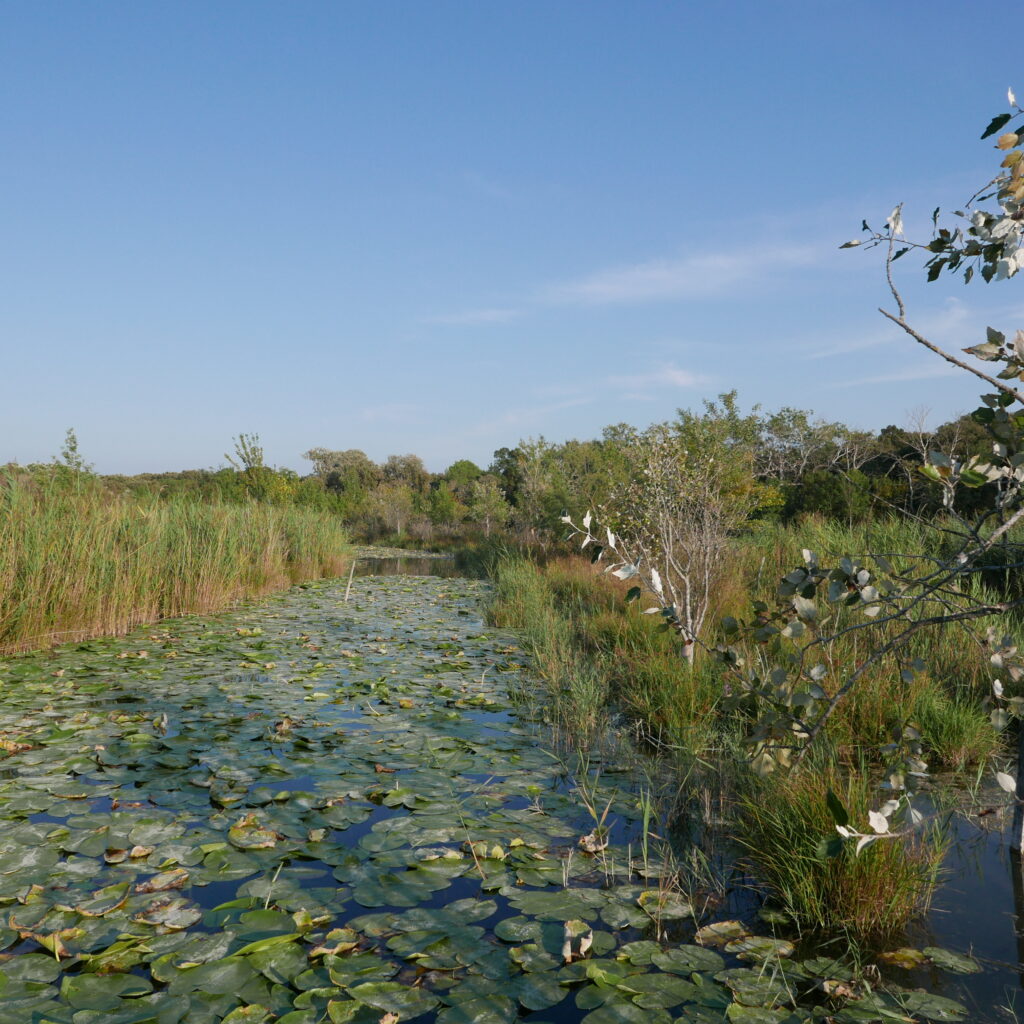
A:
<point x="392" y="997"/>
<point x="956" y="963"/>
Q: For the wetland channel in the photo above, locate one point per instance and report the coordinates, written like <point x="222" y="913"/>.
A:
<point x="314" y="809"/>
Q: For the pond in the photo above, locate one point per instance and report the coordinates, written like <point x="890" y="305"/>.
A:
<point x="320" y="809"/>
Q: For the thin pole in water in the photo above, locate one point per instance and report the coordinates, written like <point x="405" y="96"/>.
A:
<point x="351" y="573"/>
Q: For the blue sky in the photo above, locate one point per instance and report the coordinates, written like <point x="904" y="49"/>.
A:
<point x="441" y="227"/>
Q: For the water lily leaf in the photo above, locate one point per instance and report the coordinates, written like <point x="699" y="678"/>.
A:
<point x="621" y="915"/>
<point x="532" y="957"/>
<point x="559" y="906"/>
<point x="349" y="1011"/>
<point x="702" y="1015"/>
<point x="737" y="1013"/>
<point x="905" y="957"/>
<point x="174" y="914"/>
<point x="934" y="1007"/>
<point x="392" y="997"/>
<point x="756" y="947"/>
<point x="957" y="963"/>
<point x="621" y="1011"/>
<point x="104" y="901"/>
<point x="493" y="1009"/>
<point x="176" y="878"/>
<point x="664" y="905"/>
<point x="247" y="1015"/>
<point x="31" y="968"/>
<point x="277" y="961"/>
<point x="654" y="991"/>
<point x="721" y="932"/>
<point x="823" y="967"/>
<point x="359" y="967"/>
<point x="220" y="977"/>
<point x="754" y="987"/>
<point x="518" y="929"/>
<point x="687" y="959"/>
<point x="538" y="991"/>
<point x="102" y="991"/>
<point x="249" y="834"/>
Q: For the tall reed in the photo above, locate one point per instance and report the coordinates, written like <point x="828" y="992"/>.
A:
<point x="76" y="561"/>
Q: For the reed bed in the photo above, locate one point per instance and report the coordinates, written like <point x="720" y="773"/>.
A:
<point x="77" y="561"/>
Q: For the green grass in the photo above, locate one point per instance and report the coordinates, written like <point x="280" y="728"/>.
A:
<point x="77" y="561"/>
<point x="872" y="895"/>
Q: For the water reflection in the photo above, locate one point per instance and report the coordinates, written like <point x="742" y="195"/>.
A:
<point x="408" y="565"/>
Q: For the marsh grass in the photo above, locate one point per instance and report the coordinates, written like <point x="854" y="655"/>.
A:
<point x="580" y="628"/>
<point x="782" y="821"/>
<point x="76" y="561"/>
<point x="576" y="681"/>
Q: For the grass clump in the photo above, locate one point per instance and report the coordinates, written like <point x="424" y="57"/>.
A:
<point x="77" y="561"/>
<point x="784" y="823"/>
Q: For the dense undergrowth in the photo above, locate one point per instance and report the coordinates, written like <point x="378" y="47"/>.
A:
<point x="77" y="561"/>
<point x="602" y="657"/>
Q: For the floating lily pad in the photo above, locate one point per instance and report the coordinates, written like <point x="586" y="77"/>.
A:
<point x="957" y="963"/>
<point x="392" y="997"/>
<point x="721" y="932"/>
<point x="664" y="905"/>
<point x="492" y="1009"/>
<point x="756" y="947"/>
<point x="904" y="957"/>
<point x="687" y="959"/>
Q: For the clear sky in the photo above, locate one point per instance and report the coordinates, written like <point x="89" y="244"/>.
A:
<point x="440" y="227"/>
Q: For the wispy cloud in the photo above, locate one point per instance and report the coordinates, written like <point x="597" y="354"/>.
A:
<point x="664" y="377"/>
<point x="906" y="374"/>
<point x="684" y="278"/>
<point x="955" y="326"/>
<point x="658" y="280"/>
<point x="471" y="317"/>
<point x="536" y="413"/>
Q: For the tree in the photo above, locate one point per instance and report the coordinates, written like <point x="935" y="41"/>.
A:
<point x="693" y="488"/>
<point x="392" y="503"/>
<point x="408" y="470"/>
<point x="260" y="481"/>
<point x="792" y="443"/>
<point x="442" y="506"/>
<point x="461" y="475"/>
<point x="487" y="505"/>
<point x="345" y="470"/>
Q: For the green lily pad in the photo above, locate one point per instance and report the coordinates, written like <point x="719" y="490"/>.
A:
<point x="934" y="1007"/>
<point x="721" y="932"/>
<point x="538" y="991"/>
<point x="664" y="905"/>
<point x="102" y="991"/>
<point x="756" y="947"/>
<point x="392" y="997"/>
<point x="174" y="914"/>
<point x="687" y="959"/>
<point x="656" y="991"/>
<point x="492" y="1009"/>
<point x="905" y="957"/>
<point x="957" y="963"/>
<point x="621" y="1011"/>
<point x="740" y="1014"/>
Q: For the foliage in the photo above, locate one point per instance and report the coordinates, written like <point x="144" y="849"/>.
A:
<point x="487" y="504"/>
<point x="693" y="488"/>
